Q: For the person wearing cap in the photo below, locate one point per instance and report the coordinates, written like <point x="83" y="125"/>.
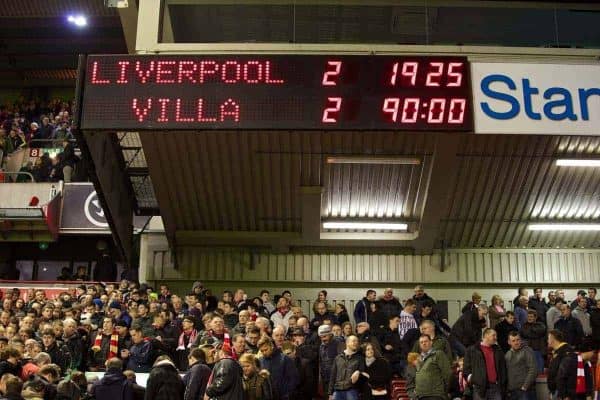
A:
<point x="284" y="376"/>
<point x="114" y="309"/>
<point x="227" y="381"/>
<point x="124" y="336"/>
<point x="329" y="348"/>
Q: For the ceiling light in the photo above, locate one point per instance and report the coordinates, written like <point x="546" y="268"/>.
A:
<point x="574" y="162"/>
<point x="389" y="160"/>
<point x="564" y="227"/>
<point x="378" y="226"/>
<point x="77" y="20"/>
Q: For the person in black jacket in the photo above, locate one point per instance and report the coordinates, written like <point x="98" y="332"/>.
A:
<point x="391" y="346"/>
<point x="69" y="159"/>
<point x="595" y="324"/>
<point x="196" y="378"/>
<point x="10" y="386"/>
<point x="562" y="372"/>
<point x="504" y="328"/>
<point x="389" y="304"/>
<point x="164" y="382"/>
<point x="106" y="268"/>
<point x="534" y="333"/>
<point x="58" y="352"/>
<point x="378" y="372"/>
<point x="284" y="376"/>
<point x="346" y="370"/>
<point x="307" y="381"/>
<point x="341" y="313"/>
<point x="321" y="314"/>
<point x="570" y="327"/>
<point x="538" y="303"/>
<point x="9" y="363"/>
<point x="488" y="379"/>
<point x="227" y="381"/>
<point x="166" y="333"/>
<point x="114" y="385"/>
<point x="467" y="329"/>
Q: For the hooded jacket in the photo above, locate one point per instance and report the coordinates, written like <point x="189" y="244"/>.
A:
<point x="164" y="382"/>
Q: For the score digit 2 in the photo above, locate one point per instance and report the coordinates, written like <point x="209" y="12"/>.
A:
<point x="330" y="114"/>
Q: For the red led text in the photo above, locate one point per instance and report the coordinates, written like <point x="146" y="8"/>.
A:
<point x="177" y="110"/>
<point x="433" y="74"/>
<point x="185" y="71"/>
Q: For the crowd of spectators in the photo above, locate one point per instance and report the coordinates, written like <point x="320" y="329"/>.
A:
<point x="205" y="345"/>
<point x="42" y="125"/>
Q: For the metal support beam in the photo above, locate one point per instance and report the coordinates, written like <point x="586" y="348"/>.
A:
<point x="129" y="18"/>
<point x="442" y="178"/>
<point x="310" y="200"/>
<point x="148" y="31"/>
<point x="99" y="155"/>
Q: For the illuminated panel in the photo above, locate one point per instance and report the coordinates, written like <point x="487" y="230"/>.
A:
<point x="277" y="92"/>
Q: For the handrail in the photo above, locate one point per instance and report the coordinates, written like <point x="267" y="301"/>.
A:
<point x="51" y="140"/>
<point x="19" y="173"/>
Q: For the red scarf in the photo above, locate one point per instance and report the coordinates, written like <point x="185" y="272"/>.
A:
<point x="283" y="310"/>
<point x="113" y="347"/>
<point x="181" y="343"/>
<point x="580" y="387"/>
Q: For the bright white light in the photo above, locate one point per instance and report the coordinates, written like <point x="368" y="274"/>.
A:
<point x="379" y="226"/>
<point x="566" y="162"/>
<point x="564" y="227"/>
<point x="77" y="20"/>
<point x="376" y="160"/>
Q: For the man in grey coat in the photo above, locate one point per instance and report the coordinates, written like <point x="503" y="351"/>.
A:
<point x="521" y="369"/>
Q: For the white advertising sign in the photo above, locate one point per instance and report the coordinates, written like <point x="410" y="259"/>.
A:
<point x="545" y="99"/>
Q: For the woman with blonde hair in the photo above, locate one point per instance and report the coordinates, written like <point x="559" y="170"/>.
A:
<point x="496" y="311"/>
<point x="257" y="383"/>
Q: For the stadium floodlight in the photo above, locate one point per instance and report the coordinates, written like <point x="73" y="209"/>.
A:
<point x="77" y="20"/>
<point x="374" y="226"/>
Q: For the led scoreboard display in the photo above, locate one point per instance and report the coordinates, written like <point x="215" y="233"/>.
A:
<point x="277" y="92"/>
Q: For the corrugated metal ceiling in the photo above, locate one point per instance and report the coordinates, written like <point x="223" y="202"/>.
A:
<point x="506" y="181"/>
<point x="249" y="181"/>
